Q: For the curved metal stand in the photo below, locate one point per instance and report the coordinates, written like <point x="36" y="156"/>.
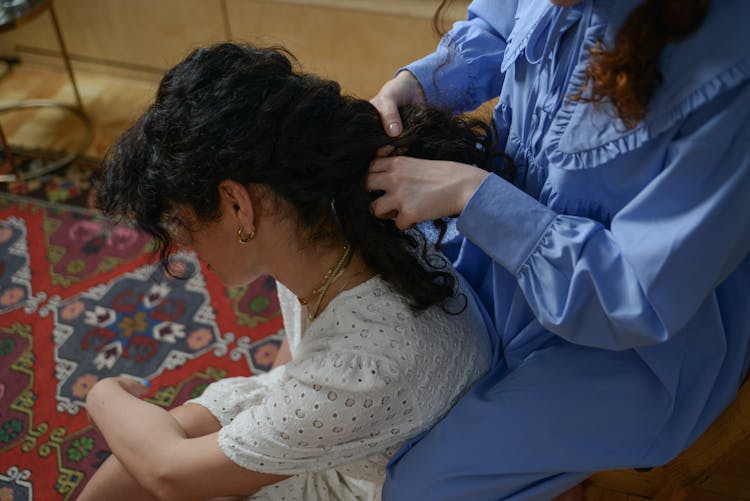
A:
<point x="56" y="164"/>
<point x="76" y="109"/>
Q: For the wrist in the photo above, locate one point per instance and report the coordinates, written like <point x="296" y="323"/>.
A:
<point x="414" y="92"/>
<point x="471" y="181"/>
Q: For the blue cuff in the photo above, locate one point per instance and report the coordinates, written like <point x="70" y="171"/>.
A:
<point x="506" y="223"/>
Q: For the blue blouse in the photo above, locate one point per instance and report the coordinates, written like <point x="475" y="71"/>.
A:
<point x="611" y="238"/>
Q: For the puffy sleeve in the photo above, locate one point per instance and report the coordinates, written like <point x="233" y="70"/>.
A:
<point x="464" y="71"/>
<point x="322" y="412"/>
<point x="643" y="279"/>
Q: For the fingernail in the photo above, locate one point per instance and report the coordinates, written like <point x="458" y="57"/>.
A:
<point x="146" y="383"/>
<point x="394" y="128"/>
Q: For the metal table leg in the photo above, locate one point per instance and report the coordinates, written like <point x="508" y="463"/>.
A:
<point x="76" y="109"/>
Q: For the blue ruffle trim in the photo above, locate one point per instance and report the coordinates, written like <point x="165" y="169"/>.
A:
<point x="526" y="22"/>
<point x="574" y="116"/>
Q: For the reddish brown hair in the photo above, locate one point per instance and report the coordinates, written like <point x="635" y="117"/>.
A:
<point x="628" y="74"/>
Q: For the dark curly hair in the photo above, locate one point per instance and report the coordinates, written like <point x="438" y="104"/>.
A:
<point x="243" y="113"/>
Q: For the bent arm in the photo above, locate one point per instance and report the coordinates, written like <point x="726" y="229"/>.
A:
<point x="284" y="355"/>
<point x="643" y="279"/>
<point x="464" y="71"/>
<point x="153" y="448"/>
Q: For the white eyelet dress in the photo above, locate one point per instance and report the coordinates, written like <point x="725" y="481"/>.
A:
<point x="367" y="375"/>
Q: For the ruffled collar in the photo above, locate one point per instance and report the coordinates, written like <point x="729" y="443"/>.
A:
<point x="529" y="15"/>
<point x="713" y="60"/>
<point x="537" y="34"/>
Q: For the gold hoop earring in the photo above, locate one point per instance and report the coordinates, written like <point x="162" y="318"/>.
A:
<point x="243" y="239"/>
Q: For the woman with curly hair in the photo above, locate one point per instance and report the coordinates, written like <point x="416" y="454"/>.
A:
<point x="261" y="168"/>
<point x="615" y="266"/>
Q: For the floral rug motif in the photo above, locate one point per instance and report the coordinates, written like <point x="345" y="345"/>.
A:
<point x="81" y="299"/>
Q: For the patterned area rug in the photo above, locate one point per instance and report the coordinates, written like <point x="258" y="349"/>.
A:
<point x="80" y="300"/>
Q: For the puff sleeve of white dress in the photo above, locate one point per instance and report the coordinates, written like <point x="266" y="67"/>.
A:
<point x="367" y="375"/>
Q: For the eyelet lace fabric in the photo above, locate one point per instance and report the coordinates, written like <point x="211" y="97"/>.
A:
<point x="367" y="375"/>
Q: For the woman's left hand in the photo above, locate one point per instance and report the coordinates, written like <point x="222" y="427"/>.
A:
<point x="130" y="385"/>
<point x="419" y="190"/>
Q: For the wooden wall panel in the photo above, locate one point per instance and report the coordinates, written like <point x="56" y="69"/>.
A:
<point x="358" y="42"/>
<point x="37" y="33"/>
<point x="359" y="48"/>
<point x="136" y="33"/>
<point x="140" y="32"/>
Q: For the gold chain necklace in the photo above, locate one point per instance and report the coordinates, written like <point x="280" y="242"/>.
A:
<point x="334" y="273"/>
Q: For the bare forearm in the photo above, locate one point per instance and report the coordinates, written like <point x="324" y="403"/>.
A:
<point x="137" y="432"/>
<point x="154" y="449"/>
<point x="284" y="355"/>
<point x="112" y="482"/>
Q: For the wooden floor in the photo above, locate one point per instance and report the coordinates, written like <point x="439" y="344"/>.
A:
<point x="111" y="103"/>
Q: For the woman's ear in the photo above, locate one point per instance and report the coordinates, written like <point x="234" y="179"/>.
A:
<point x="237" y="203"/>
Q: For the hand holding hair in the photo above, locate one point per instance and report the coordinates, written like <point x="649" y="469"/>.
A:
<point x="403" y="89"/>
<point x="419" y="190"/>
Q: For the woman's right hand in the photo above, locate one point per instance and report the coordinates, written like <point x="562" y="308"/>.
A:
<point x="403" y="89"/>
<point x="417" y="190"/>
